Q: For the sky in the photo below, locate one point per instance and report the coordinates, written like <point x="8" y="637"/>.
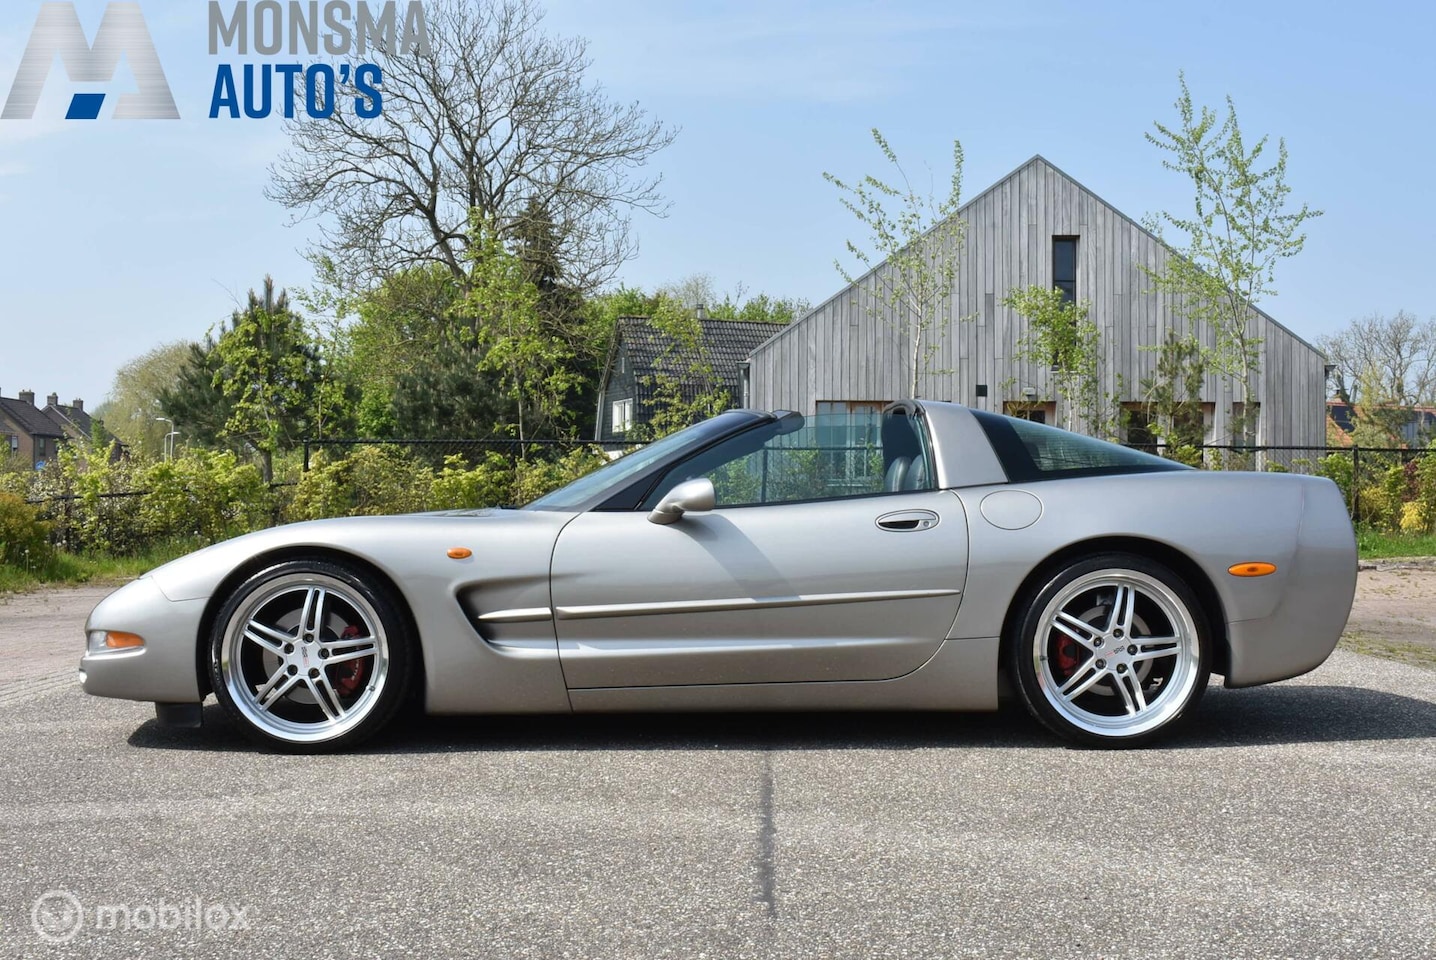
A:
<point x="117" y="236"/>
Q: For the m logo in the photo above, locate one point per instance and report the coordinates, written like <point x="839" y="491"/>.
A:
<point x="122" y="31"/>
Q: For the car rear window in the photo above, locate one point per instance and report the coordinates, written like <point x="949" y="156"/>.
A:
<point x="1033" y="451"/>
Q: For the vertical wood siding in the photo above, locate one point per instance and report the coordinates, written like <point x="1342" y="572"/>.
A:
<point x="841" y="351"/>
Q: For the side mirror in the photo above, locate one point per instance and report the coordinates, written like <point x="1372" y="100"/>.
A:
<point x="696" y="495"/>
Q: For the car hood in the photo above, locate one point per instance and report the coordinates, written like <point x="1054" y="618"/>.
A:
<point x="401" y="546"/>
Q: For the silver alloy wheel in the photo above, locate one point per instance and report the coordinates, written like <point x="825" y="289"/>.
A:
<point x="1118" y="653"/>
<point x="305" y="658"/>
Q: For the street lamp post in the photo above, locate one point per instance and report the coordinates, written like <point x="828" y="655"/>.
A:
<point x="169" y="450"/>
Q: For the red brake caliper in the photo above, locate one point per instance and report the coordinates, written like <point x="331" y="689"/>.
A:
<point x="1066" y="656"/>
<point x="349" y="677"/>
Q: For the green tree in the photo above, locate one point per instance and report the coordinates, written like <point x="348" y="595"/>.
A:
<point x="403" y="335"/>
<point x="1242" y="225"/>
<point x="130" y="409"/>
<point x="532" y="363"/>
<point x="270" y="373"/>
<point x="1060" y="335"/>
<point x="199" y="409"/>
<point x="910" y="266"/>
<point x="1174" y="395"/>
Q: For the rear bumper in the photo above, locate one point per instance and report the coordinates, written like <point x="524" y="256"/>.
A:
<point x="1308" y="621"/>
<point x="166" y="668"/>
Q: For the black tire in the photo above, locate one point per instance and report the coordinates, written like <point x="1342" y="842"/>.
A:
<point x="1113" y="650"/>
<point x="311" y="656"/>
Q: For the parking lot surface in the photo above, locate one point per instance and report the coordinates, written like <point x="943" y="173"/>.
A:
<point x="1296" y="820"/>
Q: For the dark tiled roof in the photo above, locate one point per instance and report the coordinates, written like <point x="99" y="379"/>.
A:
<point x="79" y="418"/>
<point x="30" y="418"/>
<point x="723" y="343"/>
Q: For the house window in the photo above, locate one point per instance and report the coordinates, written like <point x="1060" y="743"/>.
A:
<point x="622" y="416"/>
<point x="1064" y="267"/>
<point x="1037" y="411"/>
<point x="14" y="443"/>
<point x="1186" y="426"/>
<point x="1142" y="431"/>
<point x="40" y="446"/>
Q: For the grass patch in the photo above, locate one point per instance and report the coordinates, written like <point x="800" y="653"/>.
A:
<point x="68" y="569"/>
<point x="1375" y="544"/>
<point x="1402" y="651"/>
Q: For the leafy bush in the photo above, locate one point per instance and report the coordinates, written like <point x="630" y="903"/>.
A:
<point x="24" y="537"/>
<point x="371" y="481"/>
<point x="487" y="485"/>
<point x="1414" y="518"/>
<point x="534" y="478"/>
<point x="1339" y="469"/>
<point x="205" y="496"/>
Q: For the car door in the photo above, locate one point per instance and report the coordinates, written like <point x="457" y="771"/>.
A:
<point x="829" y="576"/>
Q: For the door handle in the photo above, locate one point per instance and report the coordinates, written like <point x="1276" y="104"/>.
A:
<point x="905" y="521"/>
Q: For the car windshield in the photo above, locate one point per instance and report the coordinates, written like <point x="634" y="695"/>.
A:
<point x="587" y="489"/>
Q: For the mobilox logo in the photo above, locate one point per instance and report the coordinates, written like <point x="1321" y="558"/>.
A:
<point x="122" y="32"/>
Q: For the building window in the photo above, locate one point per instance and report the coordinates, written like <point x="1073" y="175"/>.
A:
<point x="622" y="416"/>
<point x="1064" y="267"/>
<point x="1038" y="411"/>
<point x="1186" y="426"/>
<point x="1141" y="429"/>
<point x="40" y="446"/>
<point x="14" y="443"/>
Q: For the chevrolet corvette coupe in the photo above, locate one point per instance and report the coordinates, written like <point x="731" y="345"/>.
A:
<point x="926" y="556"/>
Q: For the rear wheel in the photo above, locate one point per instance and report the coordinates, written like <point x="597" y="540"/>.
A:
<point x="311" y="656"/>
<point x="1112" y="651"/>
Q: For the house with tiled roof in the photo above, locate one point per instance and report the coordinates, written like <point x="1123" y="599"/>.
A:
<point x="73" y="418"/>
<point x="643" y="358"/>
<point x="28" y="432"/>
<point x="34" y="433"/>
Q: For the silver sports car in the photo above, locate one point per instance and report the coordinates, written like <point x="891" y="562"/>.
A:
<point x="928" y="557"/>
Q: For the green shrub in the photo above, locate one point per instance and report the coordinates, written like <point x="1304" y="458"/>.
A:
<point x="490" y="484"/>
<point x="24" y="537"/>
<point x="204" y="496"/>
<point x="1414" y="518"/>
<point x="534" y="478"/>
<point x="1338" y="468"/>
<point x="371" y="481"/>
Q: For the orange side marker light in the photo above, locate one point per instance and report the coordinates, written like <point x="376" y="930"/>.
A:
<point x="1252" y="568"/>
<point x="460" y="553"/>
<point x="115" y="640"/>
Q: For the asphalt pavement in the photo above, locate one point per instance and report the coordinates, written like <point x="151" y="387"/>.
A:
<point x="1295" y="820"/>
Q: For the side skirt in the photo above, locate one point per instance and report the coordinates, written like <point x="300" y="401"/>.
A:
<point x="961" y="675"/>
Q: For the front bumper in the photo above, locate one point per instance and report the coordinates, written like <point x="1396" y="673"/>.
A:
<point x="166" y="668"/>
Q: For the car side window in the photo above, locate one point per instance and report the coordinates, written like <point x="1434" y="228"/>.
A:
<point x="823" y="457"/>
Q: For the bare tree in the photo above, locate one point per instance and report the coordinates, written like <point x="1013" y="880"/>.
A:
<point x="1393" y="358"/>
<point x="495" y="121"/>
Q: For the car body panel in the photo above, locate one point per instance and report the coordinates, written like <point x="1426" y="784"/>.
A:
<point x="796" y="605"/>
<point x="761" y="594"/>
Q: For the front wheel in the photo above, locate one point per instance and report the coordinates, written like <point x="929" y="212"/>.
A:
<point x="310" y="656"/>
<point x="1112" y="651"/>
